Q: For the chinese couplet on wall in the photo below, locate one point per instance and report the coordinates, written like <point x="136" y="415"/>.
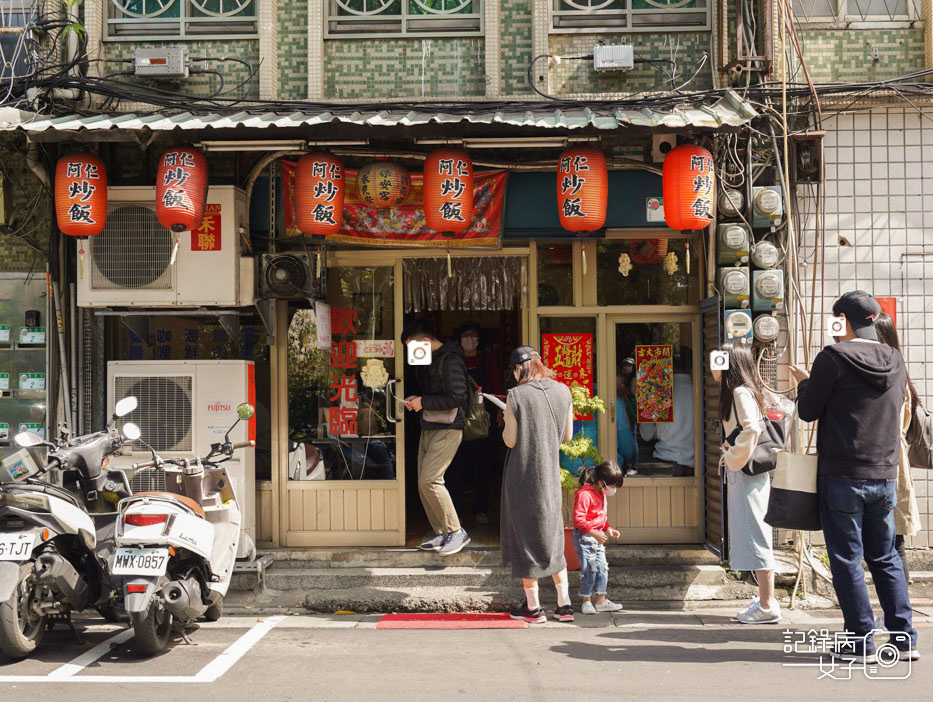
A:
<point x="654" y="383"/>
<point x="206" y="236"/>
<point x="570" y="356"/>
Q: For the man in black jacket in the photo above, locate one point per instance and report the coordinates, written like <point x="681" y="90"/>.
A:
<point x="445" y="392"/>
<point x="856" y="390"/>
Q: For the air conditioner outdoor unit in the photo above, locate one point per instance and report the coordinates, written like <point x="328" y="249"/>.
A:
<point x="129" y="264"/>
<point x="184" y="407"/>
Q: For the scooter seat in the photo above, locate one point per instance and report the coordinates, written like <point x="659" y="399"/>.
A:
<point x="186" y="501"/>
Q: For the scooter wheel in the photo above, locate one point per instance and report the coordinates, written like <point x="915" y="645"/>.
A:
<point x="21" y="629"/>
<point x="215" y="611"/>
<point x="152" y="629"/>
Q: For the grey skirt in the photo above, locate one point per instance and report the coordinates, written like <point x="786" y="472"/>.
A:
<point x="749" y="535"/>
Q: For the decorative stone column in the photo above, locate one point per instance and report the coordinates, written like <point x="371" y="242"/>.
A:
<point x="268" y="49"/>
<point x="540" y="23"/>
<point x="493" y="48"/>
<point x="316" y="18"/>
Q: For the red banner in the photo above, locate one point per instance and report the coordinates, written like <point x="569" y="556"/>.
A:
<point x="405" y="225"/>
<point x="654" y="384"/>
<point x="570" y="356"/>
<point x="206" y="237"/>
<point x="889" y="305"/>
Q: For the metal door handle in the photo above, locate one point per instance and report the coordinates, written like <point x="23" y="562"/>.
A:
<point x="390" y="405"/>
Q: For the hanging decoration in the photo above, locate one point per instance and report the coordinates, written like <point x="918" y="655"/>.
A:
<point x="448" y="191"/>
<point x="670" y="263"/>
<point x="383" y="184"/>
<point x="625" y="264"/>
<point x="582" y="189"/>
<point x="181" y="189"/>
<point x="319" y="194"/>
<point x="647" y="251"/>
<point x="81" y="194"/>
<point x="689" y="181"/>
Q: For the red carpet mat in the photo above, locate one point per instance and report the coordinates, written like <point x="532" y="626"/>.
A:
<point x="450" y="621"/>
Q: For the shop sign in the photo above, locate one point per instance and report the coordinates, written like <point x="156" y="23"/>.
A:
<point x="32" y="381"/>
<point x="342" y="415"/>
<point x="654" y="209"/>
<point x="375" y="349"/>
<point x="32" y="335"/>
<point x="4" y="333"/>
<point x="206" y="237"/>
<point x="570" y="356"/>
<point x="4" y="431"/>
<point x="37" y="428"/>
<point x="654" y="383"/>
<point x="4" y="381"/>
<point x="889" y="307"/>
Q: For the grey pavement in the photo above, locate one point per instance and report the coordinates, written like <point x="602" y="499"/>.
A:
<point x="632" y="655"/>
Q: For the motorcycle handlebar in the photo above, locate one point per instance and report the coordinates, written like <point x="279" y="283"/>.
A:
<point x="243" y="444"/>
<point x="144" y="464"/>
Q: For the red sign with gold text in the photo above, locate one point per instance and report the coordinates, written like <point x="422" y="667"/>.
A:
<point x="206" y="237"/>
<point x="570" y="356"/>
<point x="654" y="384"/>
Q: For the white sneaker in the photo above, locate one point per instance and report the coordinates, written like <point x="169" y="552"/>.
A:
<point x="608" y="605"/>
<point x="588" y="608"/>
<point x="754" y="604"/>
<point x="760" y="615"/>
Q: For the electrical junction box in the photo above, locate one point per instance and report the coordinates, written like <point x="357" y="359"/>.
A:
<point x="731" y="202"/>
<point x="766" y="328"/>
<point x="765" y="255"/>
<point x="162" y="62"/>
<point x="734" y="286"/>
<point x="737" y="324"/>
<point x="733" y="244"/>
<point x="767" y="206"/>
<point x="613" y="57"/>
<point x="661" y="146"/>
<point x="767" y="291"/>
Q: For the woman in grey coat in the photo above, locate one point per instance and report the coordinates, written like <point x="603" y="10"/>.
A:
<point x="538" y="417"/>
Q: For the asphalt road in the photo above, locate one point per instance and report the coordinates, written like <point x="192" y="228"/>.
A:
<point x="630" y="656"/>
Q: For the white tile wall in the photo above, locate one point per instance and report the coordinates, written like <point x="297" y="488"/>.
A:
<point x="879" y="196"/>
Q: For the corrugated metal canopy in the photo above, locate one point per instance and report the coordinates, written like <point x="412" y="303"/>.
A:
<point x="729" y="111"/>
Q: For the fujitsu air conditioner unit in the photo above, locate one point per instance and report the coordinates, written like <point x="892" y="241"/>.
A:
<point x="134" y="263"/>
<point x="184" y="407"/>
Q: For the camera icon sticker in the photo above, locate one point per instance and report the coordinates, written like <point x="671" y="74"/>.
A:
<point x="719" y="360"/>
<point x="836" y="326"/>
<point x="419" y="353"/>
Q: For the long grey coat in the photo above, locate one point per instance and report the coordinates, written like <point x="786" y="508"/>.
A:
<point x="532" y="526"/>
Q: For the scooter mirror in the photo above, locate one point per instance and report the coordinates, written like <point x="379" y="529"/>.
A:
<point x="245" y="411"/>
<point x="28" y="439"/>
<point x="131" y="431"/>
<point x="125" y="406"/>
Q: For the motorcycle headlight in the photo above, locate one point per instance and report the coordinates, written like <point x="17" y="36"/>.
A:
<point x="33" y="503"/>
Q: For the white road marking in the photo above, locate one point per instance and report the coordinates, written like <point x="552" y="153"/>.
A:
<point x="237" y="649"/>
<point x="88" y="657"/>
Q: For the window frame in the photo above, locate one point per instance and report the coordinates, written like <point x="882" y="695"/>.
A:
<point x="844" y="19"/>
<point x="112" y="19"/>
<point x="405" y="18"/>
<point x="555" y="12"/>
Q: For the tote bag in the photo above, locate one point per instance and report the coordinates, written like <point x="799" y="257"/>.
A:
<point x="794" y="502"/>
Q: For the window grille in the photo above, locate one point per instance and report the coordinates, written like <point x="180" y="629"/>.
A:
<point x="403" y="18"/>
<point x="146" y="20"/>
<point x="601" y="16"/>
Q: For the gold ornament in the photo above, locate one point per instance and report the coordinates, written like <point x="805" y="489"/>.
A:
<point x="625" y="264"/>
<point x="670" y="263"/>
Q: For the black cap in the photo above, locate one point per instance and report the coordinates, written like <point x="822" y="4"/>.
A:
<point x="861" y="310"/>
<point x="522" y="354"/>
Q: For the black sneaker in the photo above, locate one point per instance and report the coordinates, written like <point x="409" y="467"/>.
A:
<point x="532" y="616"/>
<point x="564" y="614"/>
<point x="905" y="651"/>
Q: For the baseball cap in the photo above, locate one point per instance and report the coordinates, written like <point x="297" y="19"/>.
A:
<point x="861" y="310"/>
<point x="522" y="354"/>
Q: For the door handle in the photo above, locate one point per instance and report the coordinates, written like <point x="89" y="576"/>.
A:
<point x="612" y="410"/>
<point x="390" y="403"/>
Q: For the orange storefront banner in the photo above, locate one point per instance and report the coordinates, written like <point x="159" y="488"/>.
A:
<point x="654" y="383"/>
<point x="570" y="356"/>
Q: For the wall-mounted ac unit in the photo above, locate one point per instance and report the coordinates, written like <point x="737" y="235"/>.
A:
<point x="184" y="407"/>
<point x="129" y="264"/>
<point x="290" y="276"/>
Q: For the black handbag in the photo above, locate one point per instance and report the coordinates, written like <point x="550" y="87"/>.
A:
<point x="770" y="443"/>
<point x="920" y="438"/>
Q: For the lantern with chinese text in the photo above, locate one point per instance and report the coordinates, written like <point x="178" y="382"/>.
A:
<point x="582" y="189"/>
<point x="181" y="189"/>
<point x="383" y="184"/>
<point x="689" y="182"/>
<point x="448" y="191"/>
<point x="319" y="190"/>
<point x="81" y="195"/>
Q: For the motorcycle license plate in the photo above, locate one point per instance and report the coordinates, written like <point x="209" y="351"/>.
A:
<point x="140" y="561"/>
<point x="16" y="547"/>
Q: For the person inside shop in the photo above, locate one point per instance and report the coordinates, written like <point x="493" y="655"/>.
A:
<point x="674" y="440"/>
<point x="626" y="426"/>
<point x="478" y="461"/>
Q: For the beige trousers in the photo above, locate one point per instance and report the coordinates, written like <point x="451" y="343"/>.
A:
<point x="436" y="451"/>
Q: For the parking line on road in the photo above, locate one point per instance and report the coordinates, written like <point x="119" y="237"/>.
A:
<point x="85" y="659"/>
<point x="236" y="651"/>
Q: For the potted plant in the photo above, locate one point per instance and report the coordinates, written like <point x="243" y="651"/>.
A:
<point x="580" y="452"/>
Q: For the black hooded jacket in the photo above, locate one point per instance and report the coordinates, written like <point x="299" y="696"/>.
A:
<point x="445" y="384"/>
<point x="856" y="390"/>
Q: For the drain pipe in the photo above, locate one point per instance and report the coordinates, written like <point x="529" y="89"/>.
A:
<point x="36" y="166"/>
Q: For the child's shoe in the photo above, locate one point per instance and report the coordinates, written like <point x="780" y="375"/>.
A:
<point x="608" y="605"/>
<point x="564" y="614"/>
<point x="588" y="608"/>
<point x="532" y="616"/>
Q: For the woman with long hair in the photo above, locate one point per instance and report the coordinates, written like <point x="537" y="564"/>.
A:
<point x="906" y="511"/>
<point x="741" y="411"/>
<point x="538" y="417"/>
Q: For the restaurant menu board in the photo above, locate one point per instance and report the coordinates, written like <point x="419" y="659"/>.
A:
<point x="570" y="356"/>
<point x="654" y="383"/>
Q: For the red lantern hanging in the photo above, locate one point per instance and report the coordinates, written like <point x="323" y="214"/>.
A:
<point x="81" y="194"/>
<point x="181" y="189"/>
<point x="689" y="183"/>
<point x="383" y="184"/>
<point x="448" y="191"/>
<point x="647" y="251"/>
<point x="582" y="189"/>
<point x="319" y="192"/>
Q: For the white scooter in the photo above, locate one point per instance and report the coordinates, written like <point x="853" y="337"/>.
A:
<point x="176" y="549"/>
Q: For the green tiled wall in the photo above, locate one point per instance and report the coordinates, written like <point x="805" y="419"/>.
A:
<point x="386" y="68"/>
<point x="516" y="46"/>
<point x="844" y="55"/>
<point x="293" y="50"/>
<point x="22" y="186"/>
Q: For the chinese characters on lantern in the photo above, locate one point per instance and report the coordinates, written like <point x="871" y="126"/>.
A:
<point x="654" y="384"/>
<point x="571" y="181"/>
<point x="81" y="194"/>
<point x="702" y="186"/>
<point x="570" y="356"/>
<point x="342" y="417"/>
<point x="176" y="174"/>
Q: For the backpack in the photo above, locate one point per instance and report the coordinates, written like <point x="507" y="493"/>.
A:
<point x="920" y="438"/>
<point x="475" y="416"/>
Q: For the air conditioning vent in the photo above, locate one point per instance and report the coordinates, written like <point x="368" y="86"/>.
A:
<point x="288" y="277"/>
<point x="164" y="411"/>
<point x="133" y="251"/>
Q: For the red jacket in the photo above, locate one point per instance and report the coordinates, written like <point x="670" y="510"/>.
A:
<point x="589" y="510"/>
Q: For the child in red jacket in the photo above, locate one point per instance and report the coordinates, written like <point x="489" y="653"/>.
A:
<point x="591" y="530"/>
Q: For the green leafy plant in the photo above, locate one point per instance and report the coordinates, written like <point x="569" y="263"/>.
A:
<point x="580" y="447"/>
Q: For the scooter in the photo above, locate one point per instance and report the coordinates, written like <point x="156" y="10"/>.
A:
<point x="176" y="549"/>
<point x="50" y="566"/>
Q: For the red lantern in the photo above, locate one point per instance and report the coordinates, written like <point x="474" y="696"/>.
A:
<point x="448" y="191"/>
<point x="81" y="195"/>
<point x="646" y="251"/>
<point x="383" y="184"/>
<point x="689" y="183"/>
<point x="319" y="190"/>
<point x="582" y="189"/>
<point x="181" y="189"/>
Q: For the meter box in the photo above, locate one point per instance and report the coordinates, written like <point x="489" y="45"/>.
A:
<point x="765" y="255"/>
<point x="731" y="202"/>
<point x="766" y="328"/>
<point x="767" y="291"/>
<point x="18" y="466"/>
<point x="733" y="244"/>
<point x="737" y="325"/>
<point x="734" y="285"/>
<point x="767" y="206"/>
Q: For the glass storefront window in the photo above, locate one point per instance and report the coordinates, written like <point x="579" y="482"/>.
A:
<point x="555" y="275"/>
<point x="657" y="272"/>
<point x="340" y="422"/>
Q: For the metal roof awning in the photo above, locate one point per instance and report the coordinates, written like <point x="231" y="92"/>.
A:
<point x="729" y="111"/>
